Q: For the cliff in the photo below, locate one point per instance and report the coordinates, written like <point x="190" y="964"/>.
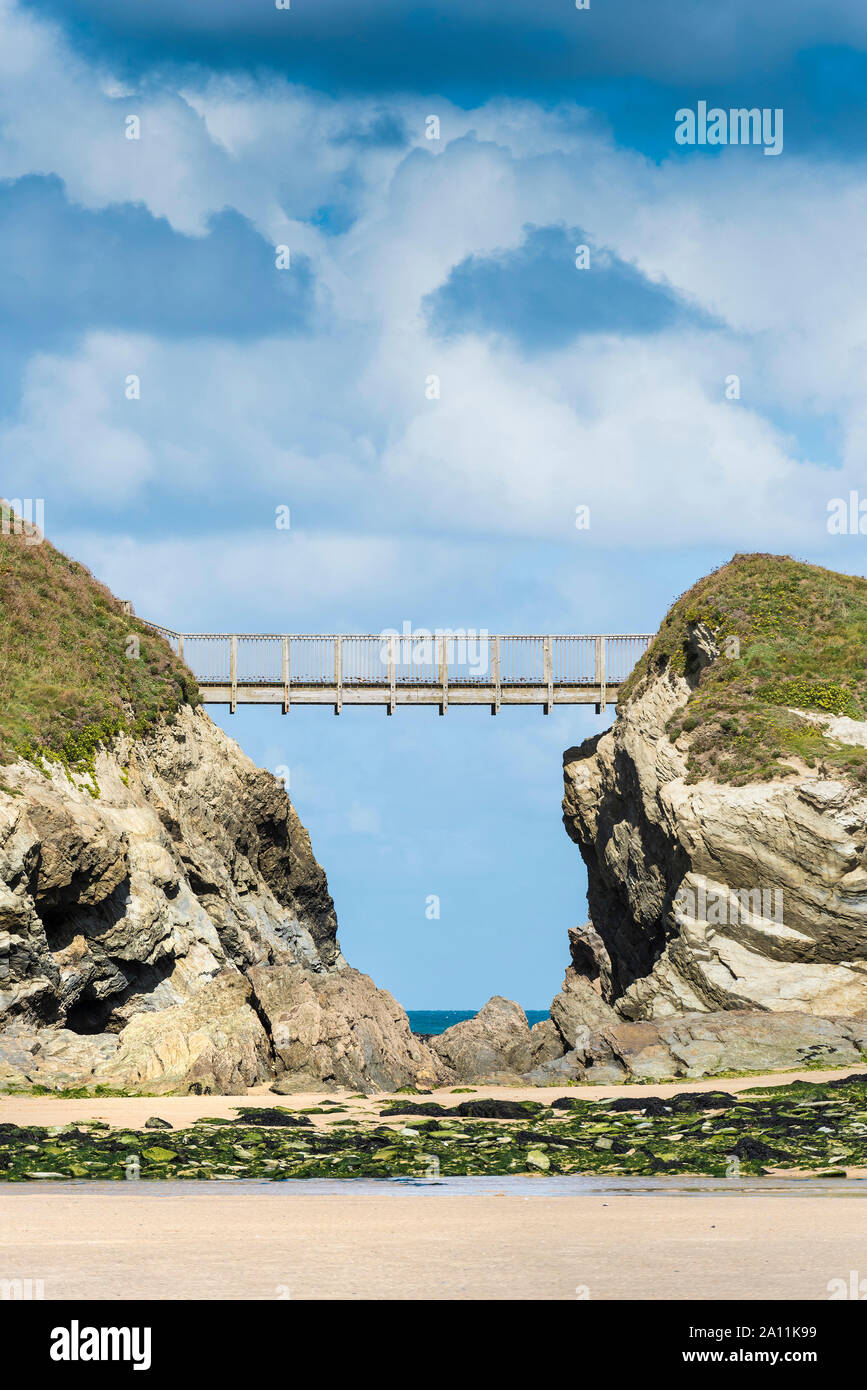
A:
<point x="164" y="924"/>
<point x="723" y="823"/>
<point x="723" y="817"/>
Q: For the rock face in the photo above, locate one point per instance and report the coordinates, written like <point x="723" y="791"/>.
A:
<point x="138" y="906"/>
<point x="710" y="896"/>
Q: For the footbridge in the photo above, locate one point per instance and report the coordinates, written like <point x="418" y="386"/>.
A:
<point x="457" y="667"/>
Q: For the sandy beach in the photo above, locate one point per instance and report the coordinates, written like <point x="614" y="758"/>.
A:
<point x="391" y="1241"/>
<point x="158" y="1242"/>
<point x="132" y="1111"/>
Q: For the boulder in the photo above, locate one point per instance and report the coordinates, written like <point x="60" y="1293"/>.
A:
<point x="579" y="1010"/>
<point x="545" y="1042"/>
<point x="565" y="1070"/>
<point x="55" y="1058"/>
<point x="495" y="1045"/>
<point x="338" y="1029"/>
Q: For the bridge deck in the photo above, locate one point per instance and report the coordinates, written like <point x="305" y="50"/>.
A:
<point x="443" y="668"/>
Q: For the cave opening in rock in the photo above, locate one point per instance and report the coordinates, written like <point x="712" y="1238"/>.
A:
<point x="93" y="1012"/>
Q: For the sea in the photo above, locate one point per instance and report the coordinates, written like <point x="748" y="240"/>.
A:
<point x="438" y="1020"/>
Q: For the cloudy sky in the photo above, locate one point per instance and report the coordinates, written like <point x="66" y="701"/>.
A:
<point x="413" y="257"/>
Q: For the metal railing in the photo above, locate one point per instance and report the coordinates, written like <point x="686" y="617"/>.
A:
<point x="456" y="659"/>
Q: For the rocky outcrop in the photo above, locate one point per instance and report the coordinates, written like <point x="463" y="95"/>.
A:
<point x="338" y="1029"/>
<point x="585" y="1042"/>
<point x="579" y="1010"/>
<point x="138" y="903"/>
<point x="707" y="896"/>
<point x="704" y="1044"/>
<point x="496" y="1045"/>
<point x="213" y="1043"/>
<point x="724" y="831"/>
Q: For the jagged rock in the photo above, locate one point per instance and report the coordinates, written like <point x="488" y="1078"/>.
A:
<point x="339" y="1030"/>
<point x="579" y="1010"/>
<point x="494" y="1045"/>
<point x="589" y="956"/>
<point x="545" y="1042"/>
<point x="191" y="859"/>
<point x="710" y="896"/>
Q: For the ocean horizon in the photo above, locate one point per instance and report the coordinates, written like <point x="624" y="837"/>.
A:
<point x="428" y="1021"/>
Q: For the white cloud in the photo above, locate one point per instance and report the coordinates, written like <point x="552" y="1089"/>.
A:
<point x="71" y="435"/>
<point x="298" y="581"/>
<point x="337" y="425"/>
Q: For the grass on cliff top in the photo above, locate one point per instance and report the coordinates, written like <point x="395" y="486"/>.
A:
<point x="67" y="682"/>
<point x="791" y="636"/>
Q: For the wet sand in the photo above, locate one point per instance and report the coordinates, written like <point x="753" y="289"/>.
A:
<point x="131" y="1112"/>
<point x="189" y="1241"/>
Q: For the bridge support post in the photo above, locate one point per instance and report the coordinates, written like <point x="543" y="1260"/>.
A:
<point x="600" y="673"/>
<point x="286" y="675"/>
<point x="442" y="643"/>
<point x="180" y="646"/>
<point x="233" y="674"/>
<point x="548" y="673"/>
<point x="495" y="672"/>
<point x="338" y="673"/>
<point x="392" y="674"/>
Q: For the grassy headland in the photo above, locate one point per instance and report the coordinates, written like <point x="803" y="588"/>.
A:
<point x="792" y="636"/>
<point x="70" y="675"/>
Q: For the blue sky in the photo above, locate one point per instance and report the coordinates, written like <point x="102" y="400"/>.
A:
<point x="305" y="385"/>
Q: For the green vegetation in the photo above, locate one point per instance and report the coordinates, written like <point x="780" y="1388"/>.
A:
<point x="75" y="669"/>
<point x="804" y="1127"/>
<point x="75" y="1092"/>
<point x="791" y="636"/>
